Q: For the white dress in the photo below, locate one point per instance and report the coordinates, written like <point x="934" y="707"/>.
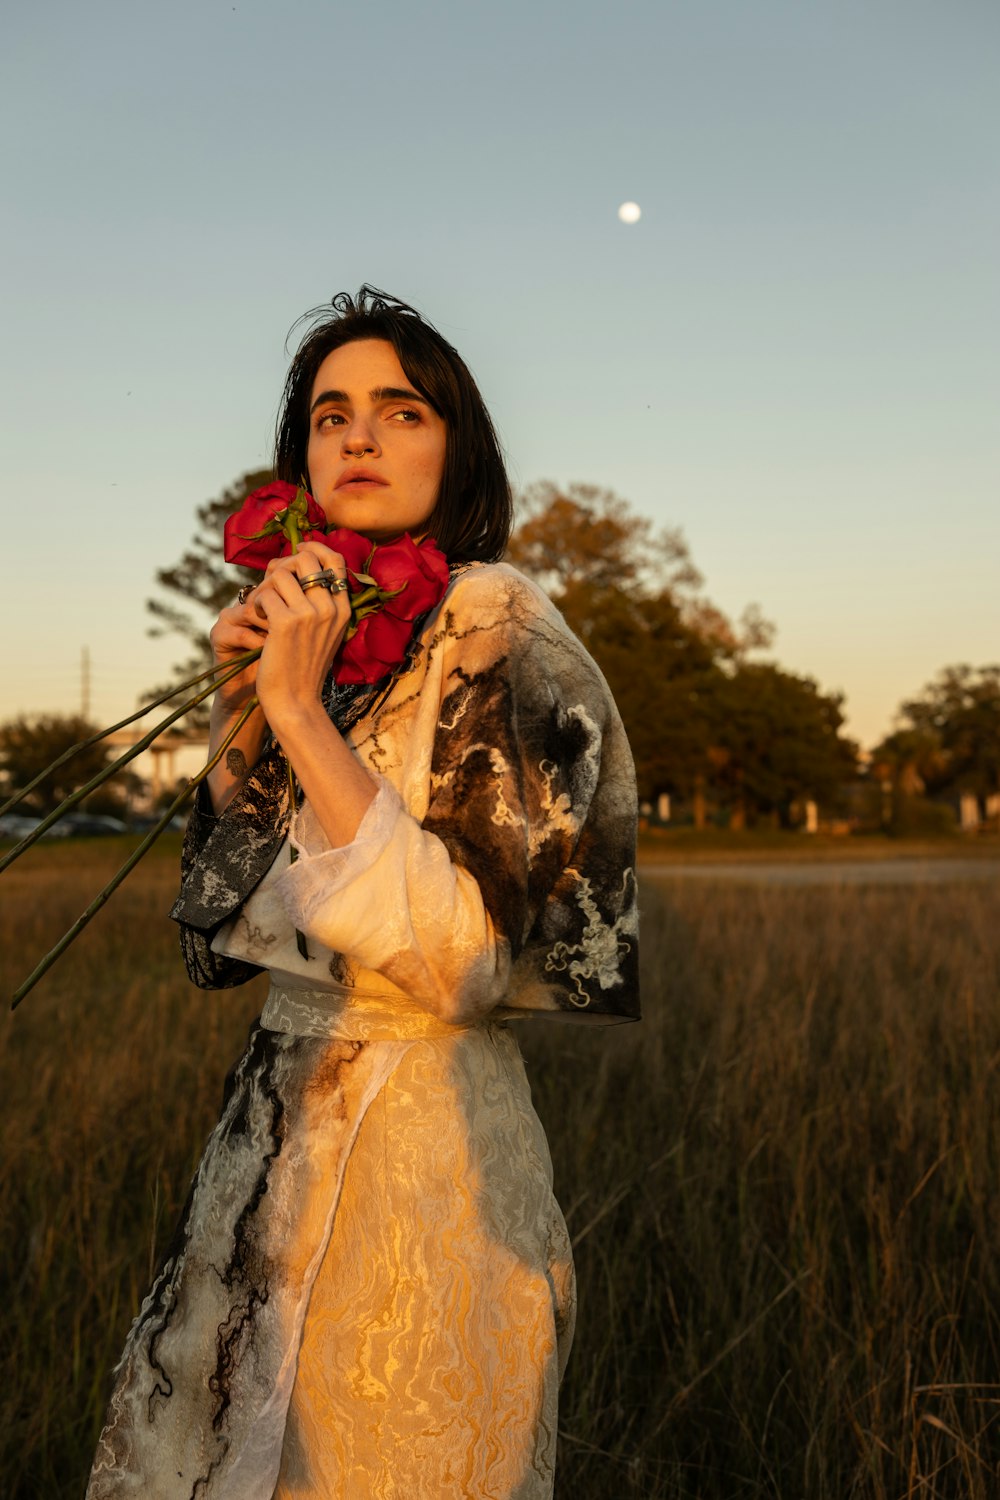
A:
<point x="370" y="1292"/>
<point x="441" y="1317"/>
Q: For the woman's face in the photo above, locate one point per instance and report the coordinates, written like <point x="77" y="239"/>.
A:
<point x="376" y="447"/>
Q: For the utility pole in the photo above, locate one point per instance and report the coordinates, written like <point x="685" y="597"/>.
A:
<point x="85" y="683"/>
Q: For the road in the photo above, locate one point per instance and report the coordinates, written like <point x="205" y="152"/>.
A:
<point x="828" y="872"/>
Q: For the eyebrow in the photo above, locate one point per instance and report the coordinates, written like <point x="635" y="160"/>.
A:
<point x="380" y="393"/>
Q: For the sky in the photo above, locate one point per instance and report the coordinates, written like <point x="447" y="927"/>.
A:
<point x="792" y="356"/>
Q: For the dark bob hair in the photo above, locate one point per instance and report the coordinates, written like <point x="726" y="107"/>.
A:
<point x="474" y="513"/>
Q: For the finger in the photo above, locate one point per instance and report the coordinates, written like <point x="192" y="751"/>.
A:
<point x="236" y="617"/>
<point x="318" y="597"/>
<point x="245" y="638"/>
<point x="326" y="557"/>
<point x="242" y="614"/>
<point x="312" y="557"/>
<point x="251" y="610"/>
<point x="283" y="599"/>
<point x="236" y="639"/>
<point x="287" y="588"/>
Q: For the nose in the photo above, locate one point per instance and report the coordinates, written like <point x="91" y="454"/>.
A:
<point x="358" y="439"/>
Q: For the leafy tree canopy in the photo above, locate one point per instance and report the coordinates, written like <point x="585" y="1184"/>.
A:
<point x="912" y="759"/>
<point x="951" y="732"/>
<point x="202" y="576"/>
<point x="584" y="543"/>
<point x="585" y="535"/>
<point x="630" y="593"/>
<point x="29" y="744"/>
<point x="777" y="740"/>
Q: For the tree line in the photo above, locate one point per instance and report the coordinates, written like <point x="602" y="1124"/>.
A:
<point x="715" y="724"/>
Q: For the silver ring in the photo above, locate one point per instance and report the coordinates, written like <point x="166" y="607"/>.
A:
<point x="327" y="579"/>
<point x="245" y="592"/>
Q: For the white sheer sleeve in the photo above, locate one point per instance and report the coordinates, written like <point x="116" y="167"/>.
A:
<point x="394" y="901"/>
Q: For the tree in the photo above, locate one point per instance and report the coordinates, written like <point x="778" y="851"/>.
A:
<point x="202" y="575"/>
<point x="588" y="537"/>
<point x="585" y="543"/>
<point x="630" y="593"/>
<point x="28" y="745"/>
<point x="205" y="579"/>
<point x="777" y="741"/>
<point x="947" y="742"/>
<point x="960" y="712"/>
<point x="911" y="758"/>
<point x="664" y="677"/>
<point x="902" y="768"/>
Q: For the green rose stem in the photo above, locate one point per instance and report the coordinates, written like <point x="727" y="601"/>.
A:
<point x="131" y="862"/>
<point x="364" y="603"/>
<point x="232" y="669"/>
<point x="140" y="713"/>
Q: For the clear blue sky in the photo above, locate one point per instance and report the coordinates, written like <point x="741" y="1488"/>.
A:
<point x="793" y="355"/>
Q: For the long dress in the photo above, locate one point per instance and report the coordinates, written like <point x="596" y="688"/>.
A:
<point x="370" y="1292"/>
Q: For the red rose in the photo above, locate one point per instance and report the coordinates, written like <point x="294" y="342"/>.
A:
<point x="378" y="645"/>
<point x="409" y="578"/>
<point x="420" y="571"/>
<point x="272" y="522"/>
<point x="354" y="549"/>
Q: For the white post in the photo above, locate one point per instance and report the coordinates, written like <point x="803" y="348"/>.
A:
<point x="968" y="806"/>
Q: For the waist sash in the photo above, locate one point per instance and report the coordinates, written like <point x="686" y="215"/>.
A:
<point x="349" y="1015"/>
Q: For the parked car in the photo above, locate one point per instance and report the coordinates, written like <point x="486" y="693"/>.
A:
<point x="91" y="825"/>
<point x="16" y="826"/>
<point x="146" y="821"/>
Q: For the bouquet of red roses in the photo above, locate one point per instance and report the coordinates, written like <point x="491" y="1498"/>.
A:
<point x="390" y="586"/>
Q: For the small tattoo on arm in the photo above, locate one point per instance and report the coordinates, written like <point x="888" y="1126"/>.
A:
<point x="236" y="763"/>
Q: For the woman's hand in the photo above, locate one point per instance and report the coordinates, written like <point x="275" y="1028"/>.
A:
<point x="302" y="631"/>
<point x="299" y="632"/>
<point x="237" y="630"/>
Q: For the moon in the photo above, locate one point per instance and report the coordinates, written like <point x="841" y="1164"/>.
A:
<point x="630" y="213"/>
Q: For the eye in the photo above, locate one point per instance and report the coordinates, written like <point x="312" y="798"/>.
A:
<point x="407" y="415"/>
<point x="331" y="419"/>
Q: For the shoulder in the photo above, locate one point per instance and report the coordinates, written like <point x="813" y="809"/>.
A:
<point x="497" y="591"/>
<point x="491" y="612"/>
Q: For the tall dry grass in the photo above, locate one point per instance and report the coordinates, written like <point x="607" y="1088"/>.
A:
<point x="111" y="1075"/>
<point x="783" y="1186"/>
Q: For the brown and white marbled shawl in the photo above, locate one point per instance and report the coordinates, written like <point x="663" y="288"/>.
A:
<point x="502" y="873"/>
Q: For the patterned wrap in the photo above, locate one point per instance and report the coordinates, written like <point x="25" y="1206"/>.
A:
<point x="510" y="841"/>
<point x="492" y="876"/>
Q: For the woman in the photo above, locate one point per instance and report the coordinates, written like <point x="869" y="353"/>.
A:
<point x="370" y="1292"/>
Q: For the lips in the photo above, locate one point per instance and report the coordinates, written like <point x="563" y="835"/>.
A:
<point x="359" y="477"/>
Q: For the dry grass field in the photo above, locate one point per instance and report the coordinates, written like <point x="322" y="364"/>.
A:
<point x="783" y="1186"/>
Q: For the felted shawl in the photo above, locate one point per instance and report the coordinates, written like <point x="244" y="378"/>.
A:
<point x="495" y="867"/>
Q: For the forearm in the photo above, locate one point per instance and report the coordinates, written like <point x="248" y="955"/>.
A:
<point x="336" y="785"/>
<point x="225" y="779"/>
